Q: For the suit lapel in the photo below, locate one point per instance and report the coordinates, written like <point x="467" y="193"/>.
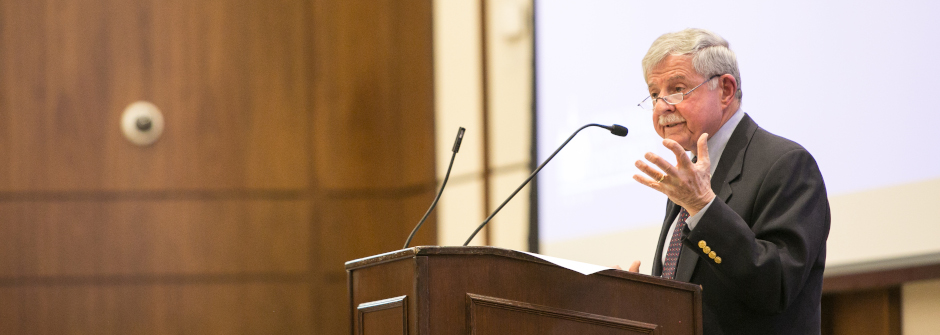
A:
<point x="732" y="159"/>
<point x="728" y="170"/>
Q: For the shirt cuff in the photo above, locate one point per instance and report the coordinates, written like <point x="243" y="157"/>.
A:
<point x="693" y="220"/>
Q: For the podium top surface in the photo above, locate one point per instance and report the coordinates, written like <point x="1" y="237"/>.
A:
<point x="499" y="252"/>
<point x="437" y="250"/>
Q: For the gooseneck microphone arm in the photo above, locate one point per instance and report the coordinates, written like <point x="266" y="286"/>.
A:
<point x="615" y="129"/>
<point x="438" y="197"/>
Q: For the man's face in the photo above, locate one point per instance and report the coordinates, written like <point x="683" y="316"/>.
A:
<point x="699" y="112"/>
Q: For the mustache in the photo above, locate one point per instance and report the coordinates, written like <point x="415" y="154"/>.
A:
<point x="671" y="118"/>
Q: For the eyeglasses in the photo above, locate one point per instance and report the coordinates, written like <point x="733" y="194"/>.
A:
<point x="672" y="99"/>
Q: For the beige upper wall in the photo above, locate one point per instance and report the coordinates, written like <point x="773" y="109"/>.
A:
<point x="459" y="102"/>
<point x="457" y="87"/>
<point x="509" y="69"/>
<point x="884" y="223"/>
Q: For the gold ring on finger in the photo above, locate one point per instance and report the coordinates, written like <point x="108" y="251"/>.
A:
<point x="661" y="178"/>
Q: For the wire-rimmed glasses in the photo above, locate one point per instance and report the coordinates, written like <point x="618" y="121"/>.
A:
<point x="649" y="103"/>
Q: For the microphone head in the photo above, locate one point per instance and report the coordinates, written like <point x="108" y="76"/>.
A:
<point x="619" y="130"/>
<point x="459" y="139"/>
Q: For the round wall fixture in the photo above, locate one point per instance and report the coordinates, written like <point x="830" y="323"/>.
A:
<point x="142" y="123"/>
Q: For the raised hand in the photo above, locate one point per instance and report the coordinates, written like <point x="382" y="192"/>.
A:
<point x="687" y="184"/>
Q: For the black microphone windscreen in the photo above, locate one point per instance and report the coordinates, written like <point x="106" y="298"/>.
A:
<point x="459" y="139"/>
<point x="619" y="130"/>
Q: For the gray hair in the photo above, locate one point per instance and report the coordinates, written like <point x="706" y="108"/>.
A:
<point x="710" y="54"/>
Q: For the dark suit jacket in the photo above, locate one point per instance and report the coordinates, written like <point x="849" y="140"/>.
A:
<point x="768" y="225"/>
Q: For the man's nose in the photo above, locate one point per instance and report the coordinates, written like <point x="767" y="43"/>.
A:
<point x="661" y="106"/>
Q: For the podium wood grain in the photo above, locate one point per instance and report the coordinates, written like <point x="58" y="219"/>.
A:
<point x="484" y="290"/>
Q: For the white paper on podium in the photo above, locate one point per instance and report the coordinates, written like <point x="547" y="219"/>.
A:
<point x="583" y="268"/>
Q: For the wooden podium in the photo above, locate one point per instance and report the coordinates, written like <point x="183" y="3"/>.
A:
<point x="485" y="290"/>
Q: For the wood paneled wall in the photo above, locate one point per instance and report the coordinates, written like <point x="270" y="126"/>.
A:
<point x="299" y="135"/>
<point x="872" y="312"/>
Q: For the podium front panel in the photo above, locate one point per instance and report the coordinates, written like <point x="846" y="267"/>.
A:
<point x="482" y="290"/>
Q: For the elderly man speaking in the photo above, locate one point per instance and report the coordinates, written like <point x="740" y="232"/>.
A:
<point x="747" y="216"/>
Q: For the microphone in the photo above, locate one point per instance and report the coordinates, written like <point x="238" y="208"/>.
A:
<point x="438" y="197"/>
<point x="614" y="129"/>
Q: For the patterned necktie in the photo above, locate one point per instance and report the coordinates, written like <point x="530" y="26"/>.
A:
<point x="672" y="255"/>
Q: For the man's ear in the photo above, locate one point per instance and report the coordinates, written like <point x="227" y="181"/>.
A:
<point x="728" y="86"/>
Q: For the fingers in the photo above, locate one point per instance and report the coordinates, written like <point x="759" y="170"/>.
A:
<point x="648" y="182"/>
<point x="683" y="183"/>
<point x="703" y="149"/>
<point x="635" y="267"/>
<point x="660" y="162"/>
<point x="648" y="170"/>
<point x="681" y="157"/>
